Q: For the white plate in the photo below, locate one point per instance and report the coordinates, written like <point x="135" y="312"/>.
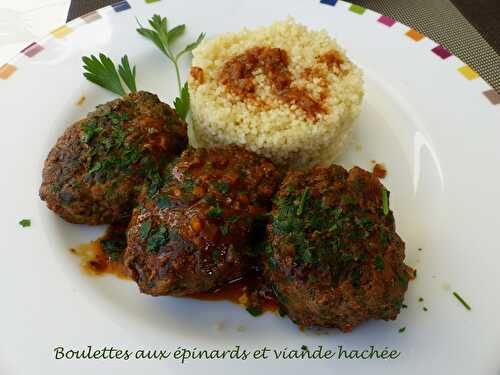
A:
<point x="436" y="131"/>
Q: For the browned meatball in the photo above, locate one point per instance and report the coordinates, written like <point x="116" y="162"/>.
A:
<point x="196" y="232"/>
<point x="334" y="258"/>
<point x="96" y="169"/>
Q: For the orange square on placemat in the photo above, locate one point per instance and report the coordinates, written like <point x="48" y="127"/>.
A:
<point x="415" y="35"/>
<point x="6" y="71"/>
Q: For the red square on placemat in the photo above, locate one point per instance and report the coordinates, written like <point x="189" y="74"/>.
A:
<point x="32" y="49"/>
<point x="387" y="21"/>
<point x="441" y="52"/>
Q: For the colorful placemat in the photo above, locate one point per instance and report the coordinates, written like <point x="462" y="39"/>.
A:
<point x="441" y="21"/>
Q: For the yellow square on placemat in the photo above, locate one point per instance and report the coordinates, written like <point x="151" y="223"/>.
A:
<point x="61" y="32"/>
<point x="468" y="73"/>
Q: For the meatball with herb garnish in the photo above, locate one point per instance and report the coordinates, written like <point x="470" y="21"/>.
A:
<point x="95" y="171"/>
<point x="334" y="258"/>
<point x="195" y="233"/>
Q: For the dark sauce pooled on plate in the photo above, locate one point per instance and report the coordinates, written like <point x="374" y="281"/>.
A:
<point x="104" y="256"/>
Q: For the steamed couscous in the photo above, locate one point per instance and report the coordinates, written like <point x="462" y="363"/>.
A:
<point x="282" y="91"/>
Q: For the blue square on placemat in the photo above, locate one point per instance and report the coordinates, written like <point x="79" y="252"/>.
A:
<point x="121" y="6"/>
<point x="329" y="2"/>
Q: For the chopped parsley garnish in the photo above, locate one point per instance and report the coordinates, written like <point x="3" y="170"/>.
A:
<point x="187" y="185"/>
<point x="118" y="117"/>
<point x="420" y="299"/>
<point x="302" y="201"/>
<point x="462" y="301"/>
<point x="224" y="229"/>
<point x="215" y="212"/>
<point x="216" y="255"/>
<point x="347" y="199"/>
<point x="398" y="304"/>
<point x="223" y="187"/>
<point x="307" y="256"/>
<point x="119" y="134"/>
<point x="90" y="129"/>
<point x="144" y="229"/>
<point x="425" y="308"/>
<point x="402" y="329"/>
<point x="114" y="248"/>
<point x="403" y="279"/>
<point x="347" y="257"/>
<point x="25" y="223"/>
<point x="254" y="311"/>
<point x="96" y="167"/>
<point x="281" y="312"/>
<point x="233" y="219"/>
<point x="384" y="237"/>
<point x="385" y="201"/>
<point x="379" y="262"/>
<point x="356" y="278"/>
<point x="304" y="347"/>
<point x="273" y="263"/>
<point x="164" y="202"/>
<point x="157" y="239"/>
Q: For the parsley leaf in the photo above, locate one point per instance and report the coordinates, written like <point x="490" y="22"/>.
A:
<point x="254" y="311"/>
<point x="183" y="102"/>
<point x="114" y="248"/>
<point x="379" y="262"/>
<point x="302" y="201"/>
<point x="144" y="229"/>
<point x="127" y="74"/>
<point x="223" y="187"/>
<point x="215" y="212"/>
<point x="90" y="129"/>
<point x="102" y="72"/>
<point x="163" y="38"/>
<point x="157" y="239"/>
<point x="25" y="223"/>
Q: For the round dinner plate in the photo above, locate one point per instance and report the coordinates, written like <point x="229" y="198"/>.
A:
<point x="426" y="115"/>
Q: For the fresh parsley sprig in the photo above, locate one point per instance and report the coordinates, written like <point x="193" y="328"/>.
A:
<point x="102" y="72"/>
<point x="163" y="38"/>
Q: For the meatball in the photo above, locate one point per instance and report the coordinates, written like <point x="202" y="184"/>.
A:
<point x="333" y="257"/>
<point x="95" y="171"/>
<point x="198" y="230"/>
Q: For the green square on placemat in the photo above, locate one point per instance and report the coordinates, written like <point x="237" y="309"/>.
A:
<point x="357" y="9"/>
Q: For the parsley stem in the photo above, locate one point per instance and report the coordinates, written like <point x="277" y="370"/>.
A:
<point x="174" y="60"/>
<point x="178" y="77"/>
<point x="465" y="304"/>
<point x="385" y="201"/>
<point x="302" y="201"/>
